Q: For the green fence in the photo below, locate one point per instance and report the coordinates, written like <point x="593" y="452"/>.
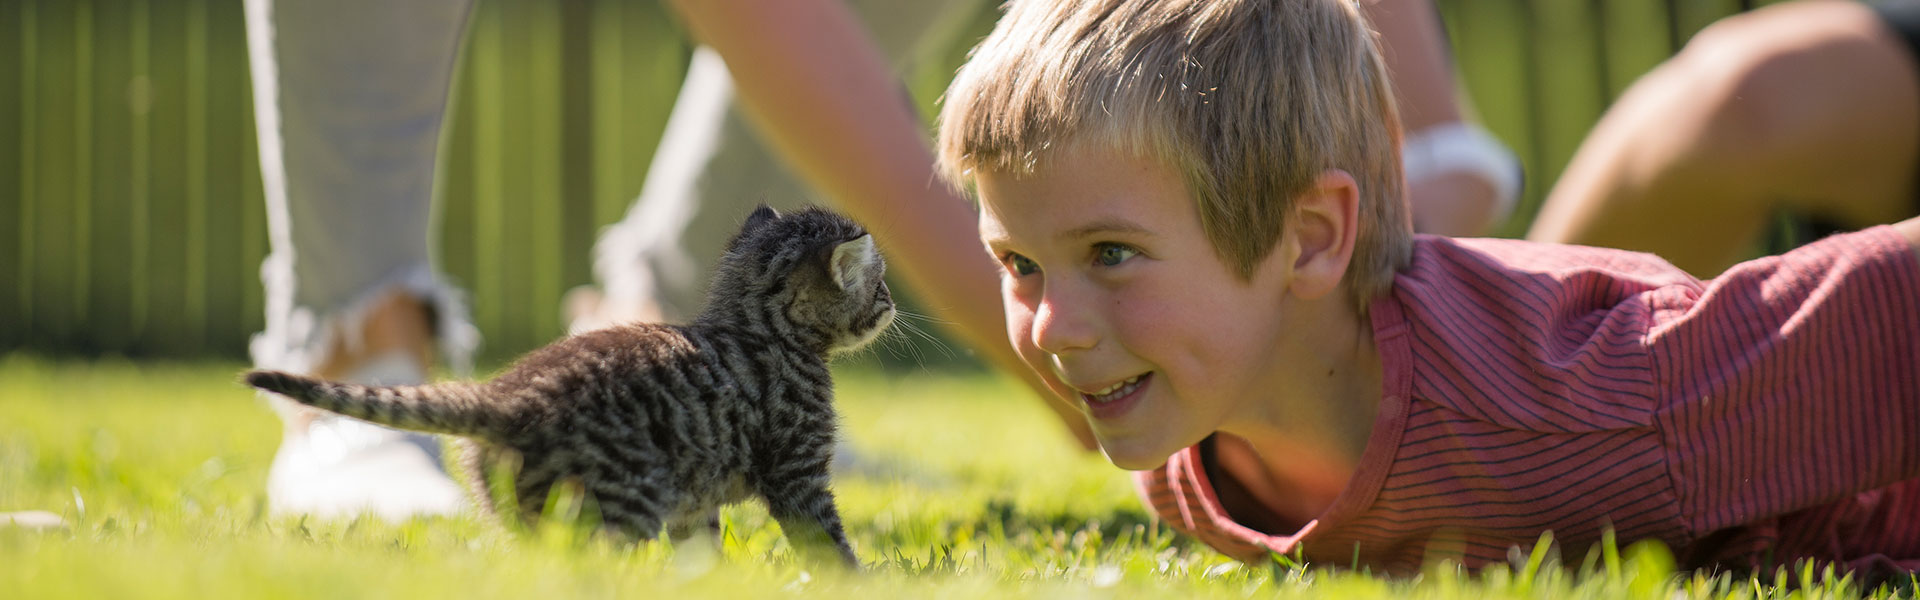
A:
<point x="130" y="212"/>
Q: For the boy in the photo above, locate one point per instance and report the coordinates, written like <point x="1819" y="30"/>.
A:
<point x="1198" y="208"/>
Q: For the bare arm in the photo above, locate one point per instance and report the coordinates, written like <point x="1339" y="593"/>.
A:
<point x="819" y="92"/>
<point x="1414" y="46"/>
<point x="1415" y="49"/>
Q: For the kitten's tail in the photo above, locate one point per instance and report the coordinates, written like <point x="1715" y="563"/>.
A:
<point x="451" y="408"/>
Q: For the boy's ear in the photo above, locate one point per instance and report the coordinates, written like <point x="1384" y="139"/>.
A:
<point x="1326" y="221"/>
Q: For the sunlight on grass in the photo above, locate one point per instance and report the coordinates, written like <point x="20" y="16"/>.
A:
<point x="963" y="487"/>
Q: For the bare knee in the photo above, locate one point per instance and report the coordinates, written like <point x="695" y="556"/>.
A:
<point x="1800" y="100"/>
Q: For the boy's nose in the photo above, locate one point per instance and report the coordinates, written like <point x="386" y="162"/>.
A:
<point x="1059" y="327"/>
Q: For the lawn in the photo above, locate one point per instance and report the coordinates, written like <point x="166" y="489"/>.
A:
<point x="966" y="490"/>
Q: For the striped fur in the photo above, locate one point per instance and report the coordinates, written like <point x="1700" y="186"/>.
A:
<point x="663" y="424"/>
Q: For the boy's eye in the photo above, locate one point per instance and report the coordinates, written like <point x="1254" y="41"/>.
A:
<point x="1112" y="254"/>
<point x="1021" y="265"/>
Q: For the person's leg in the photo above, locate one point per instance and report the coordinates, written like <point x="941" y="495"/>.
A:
<point x="1812" y="107"/>
<point x="709" y="171"/>
<point x="349" y="97"/>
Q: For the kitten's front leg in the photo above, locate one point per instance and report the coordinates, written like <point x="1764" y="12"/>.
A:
<point x="709" y="525"/>
<point x="805" y="509"/>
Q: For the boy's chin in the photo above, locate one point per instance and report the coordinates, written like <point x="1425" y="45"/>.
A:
<point x="1134" y="455"/>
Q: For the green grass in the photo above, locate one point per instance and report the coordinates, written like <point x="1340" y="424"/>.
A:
<point x="159" y="471"/>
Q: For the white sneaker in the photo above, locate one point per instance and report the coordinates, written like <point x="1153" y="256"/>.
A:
<point x="343" y="467"/>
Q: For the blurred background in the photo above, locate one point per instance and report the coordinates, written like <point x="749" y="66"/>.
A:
<point x="131" y="218"/>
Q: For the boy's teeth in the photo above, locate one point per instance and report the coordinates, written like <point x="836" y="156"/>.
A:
<point x="1118" y="389"/>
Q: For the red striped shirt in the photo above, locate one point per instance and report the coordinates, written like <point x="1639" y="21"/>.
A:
<point x="1766" y="415"/>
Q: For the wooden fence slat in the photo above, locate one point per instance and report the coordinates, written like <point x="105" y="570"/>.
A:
<point x="1567" y="80"/>
<point x="30" y="126"/>
<point x="1636" y="40"/>
<point x="512" y="195"/>
<point x="167" y="333"/>
<point x="229" y="267"/>
<point x="84" y="200"/>
<point x="53" y="195"/>
<point x="109" y="326"/>
<point x="140" y="172"/>
<point x="453" y="187"/>
<point x="14" y="69"/>
<point x="535" y="201"/>
<point x="484" y="62"/>
<point x="517" y="187"/>
<point x="576" y="144"/>
<point x="194" y="256"/>
<point x="610" y="108"/>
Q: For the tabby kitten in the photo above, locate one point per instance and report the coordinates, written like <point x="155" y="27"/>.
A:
<point x="663" y="424"/>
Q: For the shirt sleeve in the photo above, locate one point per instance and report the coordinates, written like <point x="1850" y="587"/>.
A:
<point x="1791" y="381"/>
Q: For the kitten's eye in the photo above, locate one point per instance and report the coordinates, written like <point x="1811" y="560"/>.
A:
<point x="1109" y="254"/>
<point x="1021" y="265"/>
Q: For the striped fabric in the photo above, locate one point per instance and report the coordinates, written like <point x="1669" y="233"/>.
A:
<point x="1767" y="415"/>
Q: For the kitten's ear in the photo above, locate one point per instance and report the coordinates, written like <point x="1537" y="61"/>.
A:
<point x="759" y="217"/>
<point x="851" y="262"/>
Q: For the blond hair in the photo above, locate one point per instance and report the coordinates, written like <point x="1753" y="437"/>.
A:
<point x="1250" y="100"/>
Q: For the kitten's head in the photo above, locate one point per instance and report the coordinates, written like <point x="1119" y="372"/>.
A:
<point x="812" y="274"/>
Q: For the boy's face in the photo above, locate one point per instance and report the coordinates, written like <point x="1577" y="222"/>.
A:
<point x="1116" y="297"/>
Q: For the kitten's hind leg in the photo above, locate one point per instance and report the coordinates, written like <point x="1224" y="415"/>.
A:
<point x="805" y="509"/>
<point x="487" y="472"/>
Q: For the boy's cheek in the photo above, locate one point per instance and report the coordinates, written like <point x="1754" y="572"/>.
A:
<point x="1020" y="334"/>
<point x="1038" y="360"/>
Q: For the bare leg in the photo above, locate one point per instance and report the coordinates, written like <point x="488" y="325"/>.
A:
<point x="1807" y="106"/>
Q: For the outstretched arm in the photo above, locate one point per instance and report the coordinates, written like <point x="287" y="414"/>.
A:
<point x="821" y="94"/>
<point x="1788" y="381"/>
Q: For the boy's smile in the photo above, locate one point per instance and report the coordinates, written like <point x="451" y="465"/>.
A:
<point x="1116" y="297"/>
